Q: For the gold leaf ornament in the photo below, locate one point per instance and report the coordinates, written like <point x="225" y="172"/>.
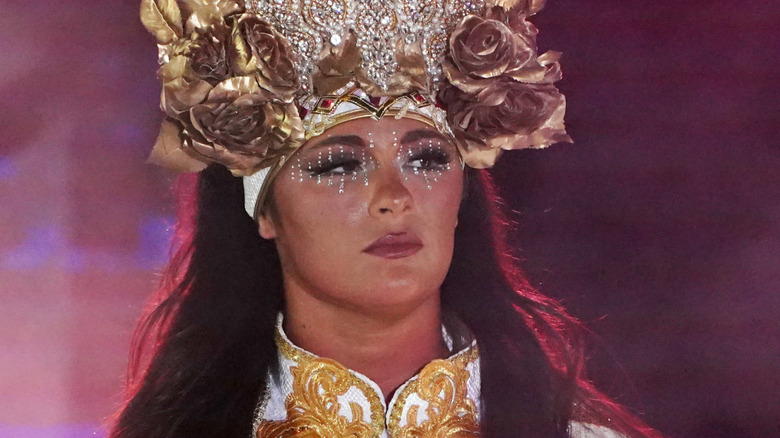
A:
<point x="169" y="153"/>
<point x="207" y="13"/>
<point x="530" y="6"/>
<point x="162" y="18"/>
<point x="535" y="6"/>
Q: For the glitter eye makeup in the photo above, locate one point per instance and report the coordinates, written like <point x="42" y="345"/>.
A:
<point x="332" y="163"/>
<point x="428" y="158"/>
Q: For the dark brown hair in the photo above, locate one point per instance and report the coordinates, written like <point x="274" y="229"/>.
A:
<point x="210" y="333"/>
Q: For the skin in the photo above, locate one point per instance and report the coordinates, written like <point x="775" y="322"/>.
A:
<point x="378" y="316"/>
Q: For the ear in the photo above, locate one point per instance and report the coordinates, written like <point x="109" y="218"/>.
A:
<point x="265" y="225"/>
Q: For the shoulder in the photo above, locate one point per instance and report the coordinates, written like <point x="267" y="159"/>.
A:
<point x="587" y="430"/>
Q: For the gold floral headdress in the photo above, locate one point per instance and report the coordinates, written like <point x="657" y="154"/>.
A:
<point x="245" y="83"/>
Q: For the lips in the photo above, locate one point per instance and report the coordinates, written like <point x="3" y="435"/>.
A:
<point x="395" y="246"/>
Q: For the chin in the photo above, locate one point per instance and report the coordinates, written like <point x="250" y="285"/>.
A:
<point x="404" y="293"/>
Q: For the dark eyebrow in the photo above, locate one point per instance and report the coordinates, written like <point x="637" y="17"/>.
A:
<point x="419" y="134"/>
<point x="346" y="140"/>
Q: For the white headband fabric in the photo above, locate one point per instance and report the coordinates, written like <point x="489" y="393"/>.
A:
<point x="253" y="184"/>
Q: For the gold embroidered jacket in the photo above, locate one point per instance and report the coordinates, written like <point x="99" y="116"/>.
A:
<point x="315" y="397"/>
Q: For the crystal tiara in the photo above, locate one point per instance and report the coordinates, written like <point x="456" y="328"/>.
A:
<point x="245" y="84"/>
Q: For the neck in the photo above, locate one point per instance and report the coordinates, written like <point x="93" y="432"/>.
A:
<point x="388" y="349"/>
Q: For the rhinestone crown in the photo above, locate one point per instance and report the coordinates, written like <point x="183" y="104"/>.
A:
<point x="382" y="28"/>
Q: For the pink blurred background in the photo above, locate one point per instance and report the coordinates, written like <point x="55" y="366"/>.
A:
<point x="659" y="227"/>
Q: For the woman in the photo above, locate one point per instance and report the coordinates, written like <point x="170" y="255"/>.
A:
<point x="368" y="291"/>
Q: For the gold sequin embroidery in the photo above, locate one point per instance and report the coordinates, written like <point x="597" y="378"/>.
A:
<point x="313" y="406"/>
<point x="442" y="384"/>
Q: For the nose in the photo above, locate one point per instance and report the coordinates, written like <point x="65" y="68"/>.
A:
<point x="389" y="194"/>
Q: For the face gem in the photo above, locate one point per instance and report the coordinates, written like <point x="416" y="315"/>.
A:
<point x="339" y="165"/>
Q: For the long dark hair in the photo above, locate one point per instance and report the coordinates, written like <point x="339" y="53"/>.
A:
<point x="209" y="335"/>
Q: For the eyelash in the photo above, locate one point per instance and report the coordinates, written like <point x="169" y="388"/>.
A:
<point x="329" y="166"/>
<point x="430" y="159"/>
<point x="436" y="159"/>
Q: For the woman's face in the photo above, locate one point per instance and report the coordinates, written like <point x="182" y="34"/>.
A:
<point x="364" y="215"/>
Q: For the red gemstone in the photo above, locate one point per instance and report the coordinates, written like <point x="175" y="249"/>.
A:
<point x="327" y="103"/>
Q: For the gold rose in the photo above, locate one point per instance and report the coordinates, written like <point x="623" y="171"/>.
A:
<point x="245" y="62"/>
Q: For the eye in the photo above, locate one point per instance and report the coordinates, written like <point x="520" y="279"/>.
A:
<point x="429" y="159"/>
<point x="336" y="166"/>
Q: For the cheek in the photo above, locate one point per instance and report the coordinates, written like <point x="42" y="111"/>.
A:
<point x="319" y="219"/>
<point x="439" y="207"/>
<point x="442" y="199"/>
<point x="307" y="241"/>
